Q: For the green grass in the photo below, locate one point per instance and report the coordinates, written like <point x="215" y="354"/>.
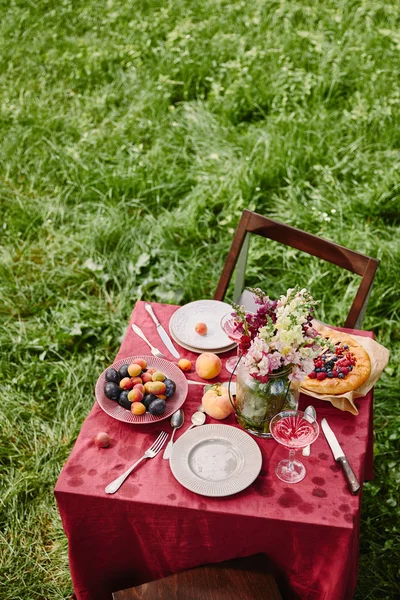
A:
<point x="133" y="135"/>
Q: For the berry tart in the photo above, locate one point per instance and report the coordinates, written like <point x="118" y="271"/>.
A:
<point x="340" y="369"/>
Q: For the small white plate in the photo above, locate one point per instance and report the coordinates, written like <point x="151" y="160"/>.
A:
<point x="216" y="460"/>
<point x="200" y="350"/>
<point x="183" y="321"/>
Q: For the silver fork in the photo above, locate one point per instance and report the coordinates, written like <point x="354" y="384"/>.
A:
<point x="150" y="453"/>
<point x="154" y="351"/>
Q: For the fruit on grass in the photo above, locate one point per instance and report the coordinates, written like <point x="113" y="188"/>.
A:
<point x="137" y="408"/>
<point x="141" y="362"/>
<point x="158" y="376"/>
<point x="148" y="399"/>
<point x="155" y="387"/>
<point x="184" y="364"/>
<point x="102" y="439"/>
<point x="208" y="365"/>
<point x="126" y="383"/>
<point x="112" y="375"/>
<point x="112" y="390"/>
<point x="201" y="328"/>
<point x="157" y="407"/>
<point x="216" y="402"/>
<point x="170" y="387"/>
<point x="146" y="377"/>
<point x="134" y="370"/>
<point x="123" y="371"/>
<point x="135" y="395"/>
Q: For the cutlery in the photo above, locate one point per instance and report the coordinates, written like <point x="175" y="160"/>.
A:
<point x="150" y="453"/>
<point x="198" y="418"/>
<point x="154" y="351"/>
<point x="310" y="410"/>
<point x="340" y="457"/>
<point x="176" y="421"/>
<point x="161" y="332"/>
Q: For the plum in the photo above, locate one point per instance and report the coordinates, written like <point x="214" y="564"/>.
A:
<point x="123" y="371"/>
<point x="112" y="375"/>
<point x="148" y="399"/>
<point x="170" y="387"/>
<point x="112" y="390"/>
<point x="124" y="401"/>
<point x="157" y="407"/>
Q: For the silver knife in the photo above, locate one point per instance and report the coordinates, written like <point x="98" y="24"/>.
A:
<point x="340" y="457"/>
<point x="161" y="332"/>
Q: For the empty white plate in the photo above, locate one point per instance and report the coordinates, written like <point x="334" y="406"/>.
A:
<point x="216" y="460"/>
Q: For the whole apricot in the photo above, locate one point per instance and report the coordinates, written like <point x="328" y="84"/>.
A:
<point x="134" y="370"/>
<point x="184" y="364"/>
<point x="139" y="386"/>
<point x="141" y="362"/>
<point x="201" y="328"/>
<point x="158" y="376"/>
<point x="155" y="387"/>
<point x="208" y="365"/>
<point x="135" y="395"/>
<point x="126" y="383"/>
<point x="102" y="439"/>
<point x="137" y="408"/>
<point x="151" y="370"/>
<point x="147" y="377"/>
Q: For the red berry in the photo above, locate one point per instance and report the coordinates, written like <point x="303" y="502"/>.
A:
<point x="345" y="370"/>
<point x="321" y="375"/>
<point x="335" y="373"/>
<point x="312" y="375"/>
<point x="346" y="363"/>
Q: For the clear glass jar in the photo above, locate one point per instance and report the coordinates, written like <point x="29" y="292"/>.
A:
<point x="257" y="403"/>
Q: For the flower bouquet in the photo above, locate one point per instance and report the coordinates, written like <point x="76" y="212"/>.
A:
<point x="278" y="344"/>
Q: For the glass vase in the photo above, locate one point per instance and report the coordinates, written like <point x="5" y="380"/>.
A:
<point x="257" y="403"/>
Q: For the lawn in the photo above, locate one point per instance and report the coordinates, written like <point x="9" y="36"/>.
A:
<point x="133" y="136"/>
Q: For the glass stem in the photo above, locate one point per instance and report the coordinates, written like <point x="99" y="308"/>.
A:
<point x="292" y="454"/>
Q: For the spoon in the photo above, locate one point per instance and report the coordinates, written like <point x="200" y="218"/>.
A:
<point x="198" y="418"/>
<point x="176" y="421"/>
<point x="310" y="410"/>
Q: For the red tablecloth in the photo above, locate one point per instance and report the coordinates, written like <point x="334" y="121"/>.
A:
<point x="153" y="527"/>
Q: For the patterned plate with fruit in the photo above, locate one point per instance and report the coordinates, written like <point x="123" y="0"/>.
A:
<point x="141" y="389"/>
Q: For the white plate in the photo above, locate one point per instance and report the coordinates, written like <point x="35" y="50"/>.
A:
<point x="113" y="409"/>
<point x="200" y="350"/>
<point x="216" y="460"/>
<point x="183" y="321"/>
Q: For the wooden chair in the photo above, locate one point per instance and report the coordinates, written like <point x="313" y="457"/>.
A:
<point x="251" y="222"/>
<point x="241" y="578"/>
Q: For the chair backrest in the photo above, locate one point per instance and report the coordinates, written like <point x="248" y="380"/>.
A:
<point x="251" y="222"/>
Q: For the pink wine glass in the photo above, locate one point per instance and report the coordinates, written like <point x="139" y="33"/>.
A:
<point x="293" y="429"/>
<point x="228" y="325"/>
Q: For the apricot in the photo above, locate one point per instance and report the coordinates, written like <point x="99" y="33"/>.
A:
<point x="135" y="395"/>
<point x="208" y="365"/>
<point x="201" y="328"/>
<point x="151" y="370"/>
<point x="141" y="362"/>
<point x="184" y="364"/>
<point x="139" y="386"/>
<point x="162" y="396"/>
<point x="134" y="370"/>
<point x="147" y="377"/>
<point x="216" y="402"/>
<point x="102" y="439"/>
<point x="126" y="383"/>
<point x="136" y="380"/>
<point x="137" y="408"/>
<point x="158" y="376"/>
<point x="155" y="387"/>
